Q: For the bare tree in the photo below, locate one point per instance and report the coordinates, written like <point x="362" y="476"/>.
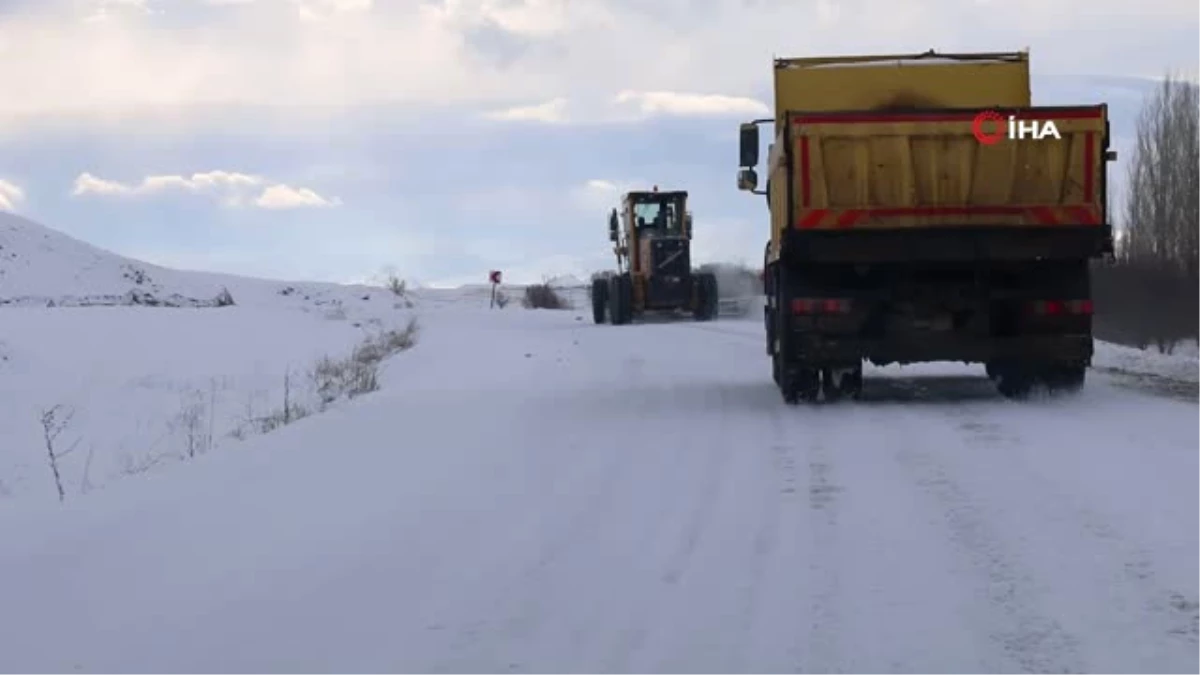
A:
<point x="54" y="421"/>
<point x="1151" y="293"/>
<point x="1163" y="207"/>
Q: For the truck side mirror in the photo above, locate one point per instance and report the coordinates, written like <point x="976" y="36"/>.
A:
<point x="748" y="145"/>
<point x="747" y="180"/>
<point x="612" y="225"/>
<point x="687" y="225"/>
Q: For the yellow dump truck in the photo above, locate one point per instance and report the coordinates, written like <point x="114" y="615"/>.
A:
<point x="922" y="209"/>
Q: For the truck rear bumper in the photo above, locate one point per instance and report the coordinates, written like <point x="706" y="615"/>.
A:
<point x="947" y="244"/>
<point x="928" y="347"/>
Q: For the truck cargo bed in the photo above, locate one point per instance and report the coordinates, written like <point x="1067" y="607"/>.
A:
<point x="924" y="173"/>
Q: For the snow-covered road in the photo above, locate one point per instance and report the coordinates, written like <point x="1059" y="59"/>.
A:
<point x="531" y="492"/>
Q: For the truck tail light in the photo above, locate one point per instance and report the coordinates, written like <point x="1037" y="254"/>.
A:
<point x="820" y="306"/>
<point x="1061" y="307"/>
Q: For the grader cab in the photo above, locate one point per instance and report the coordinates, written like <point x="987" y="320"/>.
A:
<point x="651" y="237"/>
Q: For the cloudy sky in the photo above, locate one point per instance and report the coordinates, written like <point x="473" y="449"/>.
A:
<point x="333" y="139"/>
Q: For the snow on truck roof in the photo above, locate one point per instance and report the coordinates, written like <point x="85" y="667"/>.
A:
<point x="930" y="58"/>
<point x="929" y="61"/>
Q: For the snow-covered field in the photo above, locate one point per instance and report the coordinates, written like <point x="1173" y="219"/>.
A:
<point x="531" y="492"/>
<point x="145" y="385"/>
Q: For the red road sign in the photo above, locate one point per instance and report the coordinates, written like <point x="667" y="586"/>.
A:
<point x="494" y="276"/>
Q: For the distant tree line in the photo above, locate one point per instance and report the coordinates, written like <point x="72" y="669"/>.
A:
<point x="1149" y="293"/>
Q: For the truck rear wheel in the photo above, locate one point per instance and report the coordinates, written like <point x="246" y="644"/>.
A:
<point x="1013" y="380"/>
<point x="599" y="299"/>
<point x="1065" y="378"/>
<point x="800" y="384"/>
<point x="840" y="383"/>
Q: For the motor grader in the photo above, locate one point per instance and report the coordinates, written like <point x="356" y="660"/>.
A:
<point x="651" y="237"/>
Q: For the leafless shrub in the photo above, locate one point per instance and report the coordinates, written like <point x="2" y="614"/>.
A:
<point x="85" y="483"/>
<point x="132" y="465"/>
<point x="358" y="373"/>
<point x="192" y="422"/>
<point x="397" y="285"/>
<point x="249" y="418"/>
<point x="54" y="421"/>
<point x="224" y="298"/>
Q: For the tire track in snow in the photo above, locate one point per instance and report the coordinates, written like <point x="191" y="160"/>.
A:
<point x="501" y="627"/>
<point x="701" y="514"/>
<point x="1138" y="603"/>
<point x="824" y="653"/>
<point x="673" y="570"/>
<point x="1028" y="639"/>
<point x="763" y="547"/>
<point x="807" y="476"/>
<point x="710" y="576"/>
<point x="606" y="534"/>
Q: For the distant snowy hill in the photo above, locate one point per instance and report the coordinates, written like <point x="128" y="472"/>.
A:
<point x="40" y="266"/>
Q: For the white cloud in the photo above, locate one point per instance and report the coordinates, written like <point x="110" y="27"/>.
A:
<point x="290" y="54"/>
<point x="287" y="197"/>
<point x="10" y="195"/>
<point x="690" y="105"/>
<point x="319" y="10"/>
<point x="600" y="194"/>
<point x="601" y="185"/>
<point x="231" y="188"/>
<point x="550" y="112"/>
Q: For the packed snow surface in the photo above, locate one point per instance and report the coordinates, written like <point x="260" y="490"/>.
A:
<point x="532" y="492"/>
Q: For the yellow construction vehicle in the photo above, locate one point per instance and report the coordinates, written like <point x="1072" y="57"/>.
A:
<point x="922" y="209"/>
<point x="651" y="237"/>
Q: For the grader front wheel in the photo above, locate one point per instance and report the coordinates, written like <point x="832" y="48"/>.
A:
<point x="599" y="299"/>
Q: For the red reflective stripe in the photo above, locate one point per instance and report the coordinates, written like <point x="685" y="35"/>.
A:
<point x="1040" y="114"/>
<point x="1044" y="215"/>
<point x="1079" y="214"/>
<point x="1089" y="159"/>
<point x="944" y="211"/>
<point x="849" y="218"/>
<point x="805" y="178"/>
<point x="1083" y="215"/>
<point x="811" y="219"/>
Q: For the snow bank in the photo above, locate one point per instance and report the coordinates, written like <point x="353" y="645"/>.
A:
<point x="1182" y="364"/>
